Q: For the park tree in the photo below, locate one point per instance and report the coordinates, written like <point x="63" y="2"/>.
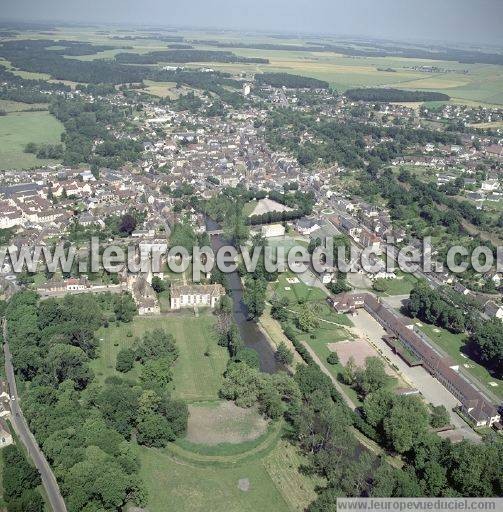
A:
<point x="254" y="296"/>
<point x="283" y="354"/>
<point x="154" y="430"/>
<point x="127" y="224"/>
<point x="157" y="373"/>
<point x="125" y="360"/>
<point x="68" y="362"/>
<point x="332" y="358"/>
<point x="124" y="307"/>
<point x="155" y="344"/>
<point x="377" y="406"/>
<point x="20" y="476"/>
<point x="241" y="384"/>
<point x="488" y="338"/>
<point x="118" y="404"/>
<point x="371" y="378"/>
<point x="248" y="356"/>
<point x="279" y="309"/>
<point x="439" y="416"/>
<point x="306" y="318"/>
<point x="434" y="479"/>
<point x="406" y="424"/>
<point x="158" y="284"/>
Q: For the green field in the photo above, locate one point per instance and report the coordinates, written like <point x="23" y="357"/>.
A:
<point x="297" y="291"/>
<point x="18" y="129"/>
<point x="472" y="84"/>
<point x="195" y="376"/>
<point x="400" y="286"/>
<point x="177" y="483"/>
<point x="16" y="106"/>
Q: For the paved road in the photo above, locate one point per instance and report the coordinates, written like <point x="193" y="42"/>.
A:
<point x="26" y="437"/>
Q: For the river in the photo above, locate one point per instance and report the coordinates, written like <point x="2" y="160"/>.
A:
<point x="252" y="336"/>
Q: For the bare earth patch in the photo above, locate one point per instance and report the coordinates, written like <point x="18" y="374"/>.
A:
<point x="213" y="424"/>
<point x="359" y="350"/>
<point x="268" y="205"/>
<point x="244" y="484"/>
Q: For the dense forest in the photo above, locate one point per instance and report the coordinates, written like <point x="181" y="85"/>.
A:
<point x="39" y="56"/>
<point x="185" y="55"/>
<point x="290" y="81"/>
<point x="84" y="123"/>
<point x="388" y="95"/>
<point x="86" y="427"/>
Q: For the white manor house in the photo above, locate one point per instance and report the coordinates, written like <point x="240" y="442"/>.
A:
<point x="189" y="296"/>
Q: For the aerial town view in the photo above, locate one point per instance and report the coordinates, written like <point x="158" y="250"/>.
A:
<point x="251" y="256"/>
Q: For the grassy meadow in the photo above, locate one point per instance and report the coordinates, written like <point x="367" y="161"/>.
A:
<point x="268" y="480"/>
<point x="195" y="375"/>
<point x="18" y="129"/>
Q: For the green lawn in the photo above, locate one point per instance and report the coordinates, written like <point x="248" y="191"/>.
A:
<point x="178" y="487"/>
<point x="195" y="376"/>
<point x="400" y="286"/>
<point x="19" y="128"/>
<point x="297" y="291"/>
<point x="275" y="482"/>
<point x="453" y="344"/>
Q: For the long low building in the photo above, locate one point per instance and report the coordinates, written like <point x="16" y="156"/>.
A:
<point x="473" y="402"/>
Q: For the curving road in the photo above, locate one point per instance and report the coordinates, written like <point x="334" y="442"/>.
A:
<point x="27" y="438"/>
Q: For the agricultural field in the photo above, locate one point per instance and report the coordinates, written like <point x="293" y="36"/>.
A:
<point x="16" y="106"/>
<point x="472" y="84"/>
<point x="196" y="376"/>
<point x="164" y="89"/>
<point x="18" y="129"/>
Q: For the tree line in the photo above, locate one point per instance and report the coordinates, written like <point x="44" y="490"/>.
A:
<point x="388" y="95"/>
<point x="184" y="56"/>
